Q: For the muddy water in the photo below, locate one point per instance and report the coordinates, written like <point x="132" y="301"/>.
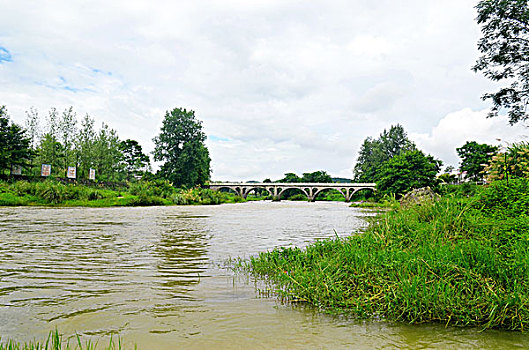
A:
<point x="157" y="277"/>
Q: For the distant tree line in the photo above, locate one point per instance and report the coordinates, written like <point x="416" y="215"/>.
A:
<point x="57" y="139"/>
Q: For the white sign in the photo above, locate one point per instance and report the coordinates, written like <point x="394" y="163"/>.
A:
<point x="72" y="172"/>
<point x="45" y="170"/>
<point x="16" y="170"/>
<point x="92" y="174"/>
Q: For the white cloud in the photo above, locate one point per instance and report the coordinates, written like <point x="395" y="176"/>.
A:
<point x="286" y="85"/>
<point x="456" y="128"/>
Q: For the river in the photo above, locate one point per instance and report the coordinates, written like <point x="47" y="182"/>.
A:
<point x="157" y="277"/>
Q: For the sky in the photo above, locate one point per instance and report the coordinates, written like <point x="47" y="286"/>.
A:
<point x="280" y="85"/>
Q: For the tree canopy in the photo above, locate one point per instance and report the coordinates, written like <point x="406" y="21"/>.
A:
<point x="474" y="157"/>
<point x="14" y="144"/>
<point x="408" y="170"/>
<point x="180" y="145"/>
<point x="505" y="54"/>
<point x="374" y="152"/>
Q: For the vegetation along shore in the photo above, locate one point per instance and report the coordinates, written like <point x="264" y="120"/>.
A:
<point x="459" y="260"/>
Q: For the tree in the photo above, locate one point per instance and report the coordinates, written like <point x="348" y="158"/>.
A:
<point x="510" y="162"/>
<point x="14" y="144"/>
<point x="85" y="146"/>
<point x="135" y="162"/>
<point x="290" y="178"/>
<point x="374" y="152"/>
<point x="316" y="176"/>
<point x="408" y="170"/>
<point x="180" y="145"/>
<point x="107" y="155"/>
<point x="505" y="49"/>
<point x="474" y="157"/>
<point x="67" y="133"/>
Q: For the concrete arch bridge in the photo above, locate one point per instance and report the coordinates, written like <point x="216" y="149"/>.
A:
<point x="276" y="189"/>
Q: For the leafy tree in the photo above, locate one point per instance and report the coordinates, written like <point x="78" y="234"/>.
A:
<point x="509" y="163"/>
<point x="14" y="144"/>
<point x="85" y="147"/>
<point x="290" y="178"/>
<point x="406" y="171"/>
<point x="32" y="126"/>
<point x="316" y="176"/>
<point x="67" y="133"/>
<point x="135" y="162"/>
<point x="50" y="151"/>
<point x="180" y="145"/>
<point x="107" y="155"/>
<point x="374" y="152"/>
<point x="505" y="49"/>
<point x="474" y="157"/>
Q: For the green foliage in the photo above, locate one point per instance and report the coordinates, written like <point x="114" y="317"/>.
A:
<point x="375" y="152"/>
<point x="180" y="145"/>
<point x="457" y="261"/>
<point x="290" y="178"/>
<point x="512" y="162"/>
<point x="407" y="170"/>
<point x="135" y="162"/>
<point x="317" y="176"/>
<point x="14" y="145"/>
<point x="504" y="45"/>
<point x="474" y="157"/>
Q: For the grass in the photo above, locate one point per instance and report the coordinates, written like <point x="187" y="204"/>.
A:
<point x="142" y="193"/>
<point x="458" y="261"/>
<point x="55" y="341"/>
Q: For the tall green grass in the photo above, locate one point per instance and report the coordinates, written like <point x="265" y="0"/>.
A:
<point x="458" y="261"/>
<point x="55" y="341"/>
<point x="140" y="193"/>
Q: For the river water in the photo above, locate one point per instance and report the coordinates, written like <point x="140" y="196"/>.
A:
<point x="157" y="277"/>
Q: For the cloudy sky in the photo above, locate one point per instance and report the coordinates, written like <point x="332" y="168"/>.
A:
<point x="280" y="85"/>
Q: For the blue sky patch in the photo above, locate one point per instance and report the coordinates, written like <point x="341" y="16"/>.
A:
<point x="99" y="71"/>
<point x="5" y="55"/>
<point x="216" y="138"/>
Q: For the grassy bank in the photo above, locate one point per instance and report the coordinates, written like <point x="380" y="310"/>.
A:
<point x="143" y="193"/>
<point x="459" y="261"/>
<point x="55" y="341"/>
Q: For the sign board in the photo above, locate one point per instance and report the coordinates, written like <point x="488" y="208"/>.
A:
<point x="16" y="170"/>
<point x="92" y="174"/>
<point x="45" y="170"/>
<point x="72" y="172"/>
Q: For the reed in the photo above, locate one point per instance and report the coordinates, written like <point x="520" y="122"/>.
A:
<point x="458" y="261"/>
<point x="56" y="341"/>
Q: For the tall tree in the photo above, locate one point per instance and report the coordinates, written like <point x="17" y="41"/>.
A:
<point x="67" y="133"/>
<point x="505" y="49"/>
<point x="374" y="152"/>
<point x="14" y="144"/>
<point x="474" y="157"/>
<point x="180" y="145"/>
<point x="135" y="162"/>
<point x="33" y="126"/>
<point x="107" y="155"/>
<point x="84" y="146"/>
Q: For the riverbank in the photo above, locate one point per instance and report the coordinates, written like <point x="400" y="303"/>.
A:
<point x="458" y="261"/>
<point x="141" y="193"/>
